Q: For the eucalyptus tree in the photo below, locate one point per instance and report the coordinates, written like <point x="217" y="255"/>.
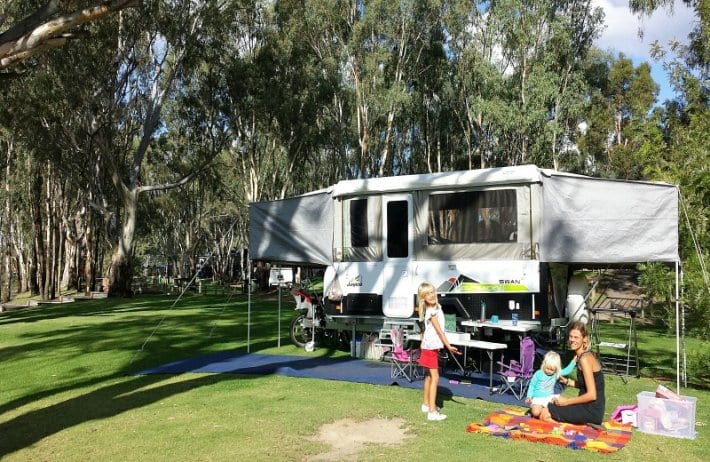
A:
<point x="41" y="25"/>
<point x="426" y="137"/>
<point x="384" y="53"/>
<point x="622" y="133"/>
<point x="301" y="87"/>
<point x="158" y="52"/>
<point x="8" y="148"/>
<point x="684" y="161"/>
<point x="543" y="48"/>
<point x="16" y="234"/>
<point x="476" y="86"/>
<point x="519" y="76"/>
<point x="279" y="90"/>
<point x="64" y="126"/>
<point x="326" y="30"/>
<point x="43" y="115"/>
<point x="244" y="97"/>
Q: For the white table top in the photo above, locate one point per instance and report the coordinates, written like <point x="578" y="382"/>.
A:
<point x="522" y="327"/>
<point x="464" y="339"/>
<point x="481" y="345"/>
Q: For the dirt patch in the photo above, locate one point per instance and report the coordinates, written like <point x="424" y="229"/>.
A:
<point x="347" y="437"/>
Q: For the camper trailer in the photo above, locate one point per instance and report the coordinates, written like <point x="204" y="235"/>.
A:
<point x="499" y="241"/>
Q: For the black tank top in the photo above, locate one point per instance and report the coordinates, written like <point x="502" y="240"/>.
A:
<point x="598" y="383"/>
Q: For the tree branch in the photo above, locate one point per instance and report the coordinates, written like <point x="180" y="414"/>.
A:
<point x="32" y="33"/>
<point x="184" y="180"/>
<point x="30" y="22"/>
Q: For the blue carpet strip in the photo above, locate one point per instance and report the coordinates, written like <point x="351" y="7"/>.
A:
<point x="473" y="385"/>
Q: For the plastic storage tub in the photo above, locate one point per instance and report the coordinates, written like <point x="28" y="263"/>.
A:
<point x="666" y="417"/>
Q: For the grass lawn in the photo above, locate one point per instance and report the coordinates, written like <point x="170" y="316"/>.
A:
<point x="68" y="392"/>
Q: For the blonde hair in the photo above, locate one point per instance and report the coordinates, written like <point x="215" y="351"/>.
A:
<point x="425" y="288"/>
<point x="552" y="361"/>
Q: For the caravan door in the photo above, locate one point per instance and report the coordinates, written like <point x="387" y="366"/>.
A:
<point x="398" y="235"/>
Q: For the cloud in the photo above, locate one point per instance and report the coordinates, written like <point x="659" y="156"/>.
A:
<point x="622" y="28"/>
<point x="621" y="34"/>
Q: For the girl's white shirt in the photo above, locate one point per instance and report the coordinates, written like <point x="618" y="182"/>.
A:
<point x="430" y="339"/>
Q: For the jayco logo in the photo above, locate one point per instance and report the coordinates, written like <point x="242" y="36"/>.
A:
<point x="355" y="282"/>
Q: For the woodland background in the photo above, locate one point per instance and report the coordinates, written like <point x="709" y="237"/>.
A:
<point x="135" y="133"/>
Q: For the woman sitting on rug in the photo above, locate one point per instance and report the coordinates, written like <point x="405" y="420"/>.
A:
<point x="588" y="406"/>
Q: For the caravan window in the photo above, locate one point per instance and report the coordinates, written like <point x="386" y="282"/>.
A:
<point x="470" y="217"/>
<point x="397" y="229"/>
<point x="361" y="234"/>
<point x="358" y="223"/>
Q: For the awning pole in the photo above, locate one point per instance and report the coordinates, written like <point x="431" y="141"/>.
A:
<point x="248" y="283"/>
<point x="677" y="328"/>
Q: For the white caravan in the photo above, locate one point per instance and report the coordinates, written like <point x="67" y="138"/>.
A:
<point x="502" y="237"/>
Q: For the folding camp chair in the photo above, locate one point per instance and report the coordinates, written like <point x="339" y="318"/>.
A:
<point x="403" y="362"/>
<point x="516" y="374"/>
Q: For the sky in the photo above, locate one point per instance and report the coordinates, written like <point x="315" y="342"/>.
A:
<point x="621" y="35"/>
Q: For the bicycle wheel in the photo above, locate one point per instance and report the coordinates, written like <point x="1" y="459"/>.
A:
<point x="300" y="335"/>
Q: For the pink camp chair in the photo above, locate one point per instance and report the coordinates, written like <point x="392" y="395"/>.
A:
<point x="403" y="361"/>
<point x="516" y="374"/>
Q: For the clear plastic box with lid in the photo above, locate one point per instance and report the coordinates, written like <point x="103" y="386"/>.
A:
<point x="666" y="417"/>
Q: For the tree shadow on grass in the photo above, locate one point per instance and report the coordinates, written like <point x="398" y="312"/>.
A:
<point x="111" y="400"/>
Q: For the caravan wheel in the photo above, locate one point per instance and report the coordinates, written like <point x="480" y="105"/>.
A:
<point x="300" y="335"/>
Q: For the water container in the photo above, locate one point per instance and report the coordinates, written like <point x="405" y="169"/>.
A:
<point x="576" y="292"/>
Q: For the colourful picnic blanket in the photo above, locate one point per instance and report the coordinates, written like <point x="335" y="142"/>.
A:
<point x="514" y="423"/>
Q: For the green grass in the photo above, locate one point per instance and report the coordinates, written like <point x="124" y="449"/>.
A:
<point x="657" y="351"/>
<point x="68" y="392"/>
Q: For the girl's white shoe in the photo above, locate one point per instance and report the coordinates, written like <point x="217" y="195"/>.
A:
<point x="435" y="416"/>
<point x="425" y="408"/>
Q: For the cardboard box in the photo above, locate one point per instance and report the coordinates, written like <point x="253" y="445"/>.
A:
<point x="666" y="417"/>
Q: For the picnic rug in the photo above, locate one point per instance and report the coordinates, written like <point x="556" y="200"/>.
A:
<point x="513" y="423"/>
<point x="473" y="385"/>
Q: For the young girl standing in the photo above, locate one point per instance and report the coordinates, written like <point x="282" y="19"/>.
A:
<point x="433" y="340"/>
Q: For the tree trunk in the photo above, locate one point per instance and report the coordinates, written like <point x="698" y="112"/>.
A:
<point x="22" y="265"/>
<point x="38" y="254"/>
<point x="120" y="274"/>
<point x="88" y="257"/>
<point x="5" y="290"/>
<point x="72" y="248"/>
<point x="49" y="242"/>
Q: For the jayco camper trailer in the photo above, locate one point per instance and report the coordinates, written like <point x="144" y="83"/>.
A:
<point x="497" y="238"/>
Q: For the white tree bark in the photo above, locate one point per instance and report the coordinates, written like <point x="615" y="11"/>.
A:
<point x="50" y="28"/>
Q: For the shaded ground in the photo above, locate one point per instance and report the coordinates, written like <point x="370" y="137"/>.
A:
<point x="620" y="283"/>
<point x="620" y="289"/>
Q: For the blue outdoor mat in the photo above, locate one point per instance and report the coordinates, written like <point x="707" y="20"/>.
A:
<point x="348" y="370"/>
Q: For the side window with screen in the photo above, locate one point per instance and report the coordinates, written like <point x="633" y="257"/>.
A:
<point x="470" y="217"/>
<point x="397" y="229"/>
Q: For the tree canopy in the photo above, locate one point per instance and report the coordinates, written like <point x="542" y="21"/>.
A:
<point x="147" y="139"/>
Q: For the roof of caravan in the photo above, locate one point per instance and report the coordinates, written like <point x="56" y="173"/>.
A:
<point x="575" y="218"/>
<point x="522" y="174"/>
<point x="489" y="176"/>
